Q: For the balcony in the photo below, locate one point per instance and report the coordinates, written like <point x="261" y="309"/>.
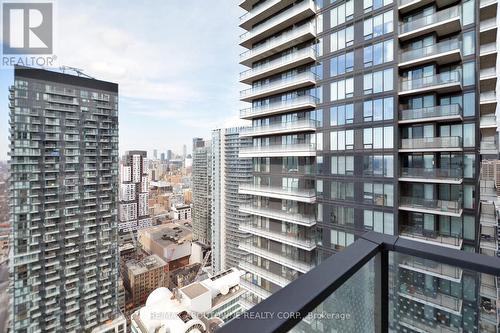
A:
<point x="273" y="25"/>
<point x="441" y="53"/>
<point x="282" y="259"/>
<point x="488" y="121"/>
<point x="304" y="125"/>
<point x="288" y="61"/>
<point x="429" y="267"/>
<point x="290" y="238"/>
<point x="260" y="292"/>
<point x="431" y="206"/>
<point x="295" y="104"/>
<point x="300" y="219"/>
<point x="359" y="282"/>
<point x="488" y="214"/>
<point x="488" y="25"/>
<point x="489" y="97"/>
<point x="261" y="12"/>
<point x="441" y="301"/>
<point x="438" y="83"/>
<point x="287" y="193"/>
<point x="299" y="149"/>
<point x="277" y="44"/>
<point x="449" y="112"/>
<point x="442" y="23"/>
<point x="431" y="175"/>
<point x="488" y="76"/>
<point x="448" y="143"/>
<point x="485" y="4"/>
<point x="265" y="273"/>
<point x="406" y="6"/>
<point x="294" y="82"/>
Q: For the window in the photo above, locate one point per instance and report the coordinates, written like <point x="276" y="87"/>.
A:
<point x="378" y="81"/>
<point x="342" y="140"/>
<point x="342" y="13"/>
<point x="378" y="109"/>
<point x="379" y="53"/>
<point x="378" y="194"/>
<point x="468" y="12"/>
<point x="378" y="25"/>
<point x="378" y="165"/>
<point x="342" y="215"/>
<point x="369" y="5"/>
<point x="378" y="138"/>
<point x="342" y="165"/>
<point x="342" y="114"/>
<point x="379" y="221"/>
<point x="469" y="73"/>
<point x="342" y="89"/>
<point x="342" y="39"/>
<point x="469" y="105"/>
<point x="341" y="238"/>
<point x="342" y="190"/>
<point x="342" y="64"/>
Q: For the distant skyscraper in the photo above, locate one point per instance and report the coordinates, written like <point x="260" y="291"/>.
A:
<point x="155" y="154"/>
<point x="228" y="172"/>
<point x="134" y="194"/>
<point x="169" y="155"/>
<point x="162" y="156"/>
<point x="184" y="152"/>
<point x="198" y="142"/>
<point x="202" y="173"/>
<point x="64" y="168"/>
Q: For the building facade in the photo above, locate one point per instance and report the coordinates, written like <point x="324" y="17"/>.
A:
<point x="64" y="169"/>
<point x="371" y="115"/>
<point x="228" y="172"/>
<point x="134" y="195"/>
<point x="202" y="184"/>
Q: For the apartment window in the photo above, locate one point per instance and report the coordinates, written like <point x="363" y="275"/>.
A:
<point x="468" y="12"/>
<point x="378" y="165"/>
<point x="342" y="190"/>
<point x="342" y="13"/>
<point x="342" y="215"/>
<point x="342" y="140"/>
<point x="342" y="114"/>
<point x="469" y="104"/>
<point x="342" y="64"/>
<point x="378" y="138"/>
<point x="319" y="187"/>
<point x="378" y="194"/>
<point x="469" y="73"/>
<point x="469" y="165"/>
<point x="342" y="165"/>
<point x="378" y="81"/>
<point x="341" y="238"/>
<point x="378" y="109"/>
<point x="369" y="5"/>
<point x="378" y="25"/>
<point x="342" y="89"/>
<point x="319" y="141"/>
<point x="342" y="39"/>
<point x="378" y="53"/>
<point x="379" y="221"/>
<point x="468" y="44"/>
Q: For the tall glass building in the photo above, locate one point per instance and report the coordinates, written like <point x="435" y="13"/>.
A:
<point x="372" y="115"/>
<point x="63" y="195"/>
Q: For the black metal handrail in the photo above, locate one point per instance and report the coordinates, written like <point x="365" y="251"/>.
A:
<point x="303" y="295"/>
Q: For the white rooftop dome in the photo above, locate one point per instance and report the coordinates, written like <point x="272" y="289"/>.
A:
<point x="158" y="295"/>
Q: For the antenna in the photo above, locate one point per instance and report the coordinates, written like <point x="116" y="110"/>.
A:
<point x="78" y="71"/>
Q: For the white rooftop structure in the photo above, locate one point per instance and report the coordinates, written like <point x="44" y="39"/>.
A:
<point x="187" y="309"/>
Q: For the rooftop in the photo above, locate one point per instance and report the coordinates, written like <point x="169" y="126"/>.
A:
<point x="146" y="264"/>
<point x="168" y="234"/>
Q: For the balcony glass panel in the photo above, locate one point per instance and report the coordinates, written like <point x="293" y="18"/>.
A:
<point x="431" y="112"/>
<point x="431" y="143"/>
<point x="431" y="81"/>
<point x="300" y="101"/>
<point x="432" y="173"/>
<point x="430" y="50"/>
<point x="434" y="18"/>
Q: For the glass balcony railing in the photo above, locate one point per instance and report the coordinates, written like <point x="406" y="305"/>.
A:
<point x="432" y="173"/>
<point x="265" y="273"/>
<point x="278" y="19"/>
<point x="432" y="81"/>
<point x="438" y="111"/>
<point x="434" y="236"/>
<point x="488" y="97"/>
<point x="279" y="62"/>
<point x="279" y="84"/>
<point x="267" y="190"/>
<point x="447" y="142"/>
<point x="433" y="205"/>
<point x="443" y="271"/>
<point x="294" y="34"/>
<point x="258" y="9"/>
<point x="307" y="241"/>
<point x="357" y="290"/>
<point x="488" y="121"/>
<point x="281" y="106"/>
<point x="295" y="126"/>
<point x="487" y="48"/>
<point x="419" y="23"/>
<point x="280" y="258"/>
<point x="280" y="150"/>
<point x="431" y="50"/>
<point x="301" y="219"/>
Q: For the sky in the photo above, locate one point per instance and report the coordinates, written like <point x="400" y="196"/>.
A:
<point x="176" y="63"/>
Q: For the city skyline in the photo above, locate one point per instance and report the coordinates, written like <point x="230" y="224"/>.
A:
<point x="168" y="105"/>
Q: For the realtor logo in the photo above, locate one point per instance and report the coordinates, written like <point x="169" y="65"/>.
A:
<point x="27" y="28"/>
